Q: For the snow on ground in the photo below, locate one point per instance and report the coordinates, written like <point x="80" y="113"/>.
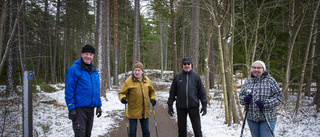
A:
<point x="51" y="119"/>
<point x="308" y="125"/>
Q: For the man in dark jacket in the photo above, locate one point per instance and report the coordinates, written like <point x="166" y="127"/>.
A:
<point x="187" y="88"/>
<point x="82" y="93"/>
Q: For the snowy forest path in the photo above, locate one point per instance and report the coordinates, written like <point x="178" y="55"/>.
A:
<point x="166" y="125"/>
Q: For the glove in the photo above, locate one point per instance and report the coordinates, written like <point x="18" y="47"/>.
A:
<point x="203" y="110"/>
<point x="124" y="100"/>
<point x="98" y="111"/>
<point x="170" y="110"/>
<point x="73" y="114"/>
<point x="260" y="105"/>
<point x="248" y="99"/>
<point x="153" y="102"/>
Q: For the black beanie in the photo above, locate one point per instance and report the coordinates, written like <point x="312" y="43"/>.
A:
<point x="88" y="48"/>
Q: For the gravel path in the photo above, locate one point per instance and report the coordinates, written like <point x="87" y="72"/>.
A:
<point x="166" y="125"/>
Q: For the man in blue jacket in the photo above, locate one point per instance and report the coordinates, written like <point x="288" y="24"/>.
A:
<point x="82" y="93"/>
<point x="188" y="91"/>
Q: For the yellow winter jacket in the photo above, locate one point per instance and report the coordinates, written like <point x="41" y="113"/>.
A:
<point x="138" y="94"/>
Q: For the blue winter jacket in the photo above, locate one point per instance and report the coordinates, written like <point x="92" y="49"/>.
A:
<point x="82" y="87"/>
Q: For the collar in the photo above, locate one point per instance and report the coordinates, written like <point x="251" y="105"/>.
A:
<point x="134" y="79"/>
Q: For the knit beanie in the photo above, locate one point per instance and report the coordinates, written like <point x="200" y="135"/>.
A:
<point x="88" y="48"/>
<point x="137" y="64"/>
<point x="262" y="64"/>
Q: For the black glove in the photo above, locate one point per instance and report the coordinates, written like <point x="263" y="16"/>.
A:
<point x="153" y="102"/>
<point x="73" y="114"/>
<point x="203" y="110"/>
<point x="170" y="110"/>
<point x="124" y="100"/>
<point x="98" y="111"/>
<point x="248" y="99"/>
<point x="260" y="104"/>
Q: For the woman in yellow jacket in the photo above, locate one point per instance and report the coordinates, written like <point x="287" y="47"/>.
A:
<point x="136" y="91"/>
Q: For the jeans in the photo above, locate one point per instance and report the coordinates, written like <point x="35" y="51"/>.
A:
<point x="261" y="129"/>
<point x="144" y="127"/>
<point x="194" y="116"/>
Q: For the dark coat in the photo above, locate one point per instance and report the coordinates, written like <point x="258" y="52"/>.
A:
<point x="187" y="88"/>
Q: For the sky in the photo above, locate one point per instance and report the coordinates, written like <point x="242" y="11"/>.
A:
<point x="306" y="124"/>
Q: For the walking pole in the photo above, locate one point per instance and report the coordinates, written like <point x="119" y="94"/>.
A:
<point x="125" y="109"/>
<point x="245" y="118"/>
<point x="267" y="123"/>
<point x="155" y="122"/>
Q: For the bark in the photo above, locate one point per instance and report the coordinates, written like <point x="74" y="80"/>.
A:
<point x="174" y="42"/>
<point x="115" y="79"/>
<point x="311" y="63"/>
<point x="56" y="44"/>
<point x="161" y="49"/>
<point x="11" y="63"/>
<point x="296" y="109"/>
<point x="291" y="42"/>
<point x="211" y="63"/>
<point x="195" y="17"/>
<point x="136" y="31"/>
<point x="206" y="60"/>
<point x="66" y="39"/>
<point x="84" y="31"/>
<point x="46" y="44"/>
<point x="316" y="99"/>
<point x="12" y="30"/>
<point x="108" y="70"/>
<point x="3" y="21"/>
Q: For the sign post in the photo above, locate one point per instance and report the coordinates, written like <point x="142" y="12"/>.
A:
<point x="27" y="103"/>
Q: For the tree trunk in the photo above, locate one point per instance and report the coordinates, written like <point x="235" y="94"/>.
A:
<point x="211" y="64"/>
<point x="136" y="31"/>
<point x="3" y="21"/>
<point x="316" y="99"/>
<point x="108" y="33"/>
<point x="11" y="63"/>
<point x="206" y="60"/>
<point x="84" y="31"/>
<point x="115" y="79"/>
<point x="296" y="109"/>
<point x="291" y="43"/>
<point x="66" y="39"/>
<point x="195" y="17"/>
<point x="174" y="41"/>
<point x="45" y="43"/>
<point x="161" y="49"/>
<point x="56" y="45"/>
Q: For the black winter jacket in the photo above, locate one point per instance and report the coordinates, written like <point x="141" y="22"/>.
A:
<point x="187" y="88"/>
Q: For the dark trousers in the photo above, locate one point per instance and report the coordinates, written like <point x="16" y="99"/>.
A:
<point x="144" y="127"/>
<point x="82" y="126"/>
<point x="194" y="116"/>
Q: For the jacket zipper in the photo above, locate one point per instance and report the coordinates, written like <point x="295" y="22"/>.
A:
<point x="92" y="86"/>
<point x="187" y="99"/>
<point x="143" y="110"/>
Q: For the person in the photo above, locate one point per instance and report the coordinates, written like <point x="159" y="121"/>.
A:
<point x="136" y="91"/>
<point x="261" y="94"/>
<point x="187" y="88"/>
<point x="82" y="93"/>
